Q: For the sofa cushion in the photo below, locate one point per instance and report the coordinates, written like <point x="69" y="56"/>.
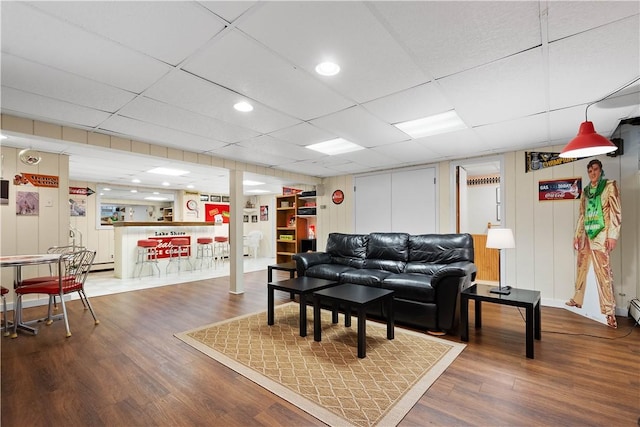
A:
<point x="410" y="286"/>
<point x="327" y="271"/>
<point x="341" y="245"/>
<point x="364" y="276"/>
<point x="423" y="267"/>
<point x="388" y="246"/>
<point x="441" y="248"/>
<point x="384" y="264"/>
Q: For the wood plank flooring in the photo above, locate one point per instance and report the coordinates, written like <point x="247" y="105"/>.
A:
<point x="131" y="371"/>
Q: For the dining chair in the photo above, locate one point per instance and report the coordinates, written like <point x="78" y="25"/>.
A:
<point x="73" y="269"/>
<point x="252" y="241"/>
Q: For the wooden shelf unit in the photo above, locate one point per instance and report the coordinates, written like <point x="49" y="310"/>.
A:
<point x="290" y="228"/>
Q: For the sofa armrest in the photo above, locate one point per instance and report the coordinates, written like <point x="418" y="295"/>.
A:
<point x="447" y="283"/>
<point x="469" y="268"/>
<point x="305" y="260"/>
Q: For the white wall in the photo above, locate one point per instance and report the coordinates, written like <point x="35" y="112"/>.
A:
<point x="481" y="201"/>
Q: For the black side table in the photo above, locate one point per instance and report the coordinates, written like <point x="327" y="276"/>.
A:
<point x="284" y="266"/>
<point x="529" y="300"/>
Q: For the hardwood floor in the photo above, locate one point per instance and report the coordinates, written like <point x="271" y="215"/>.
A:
<point x="131" y="370"/>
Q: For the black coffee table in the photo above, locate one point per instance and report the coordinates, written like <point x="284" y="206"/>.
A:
<point x="353" y="296"/>
<point x="529" y="300"/>
<point x="302" y="286"/>
<point x="283" y="266"/>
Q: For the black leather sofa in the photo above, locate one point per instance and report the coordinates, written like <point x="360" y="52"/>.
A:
<point x="427" y="272"/>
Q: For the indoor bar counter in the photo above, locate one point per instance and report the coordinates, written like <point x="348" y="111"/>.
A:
<point x="127" y="234"/>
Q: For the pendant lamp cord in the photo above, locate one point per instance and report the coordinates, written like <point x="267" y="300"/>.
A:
<point x="607" y="96"/>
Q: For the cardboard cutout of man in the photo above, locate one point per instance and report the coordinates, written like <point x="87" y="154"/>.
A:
<point x="596" y="236"/>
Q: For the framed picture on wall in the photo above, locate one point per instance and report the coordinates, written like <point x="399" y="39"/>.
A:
<point x="254" y="218"/>
<point x="204" y="197"/>
<point x="226" y="199"/>
<point x="245" y="218"/>
<point x="215" y="199"/>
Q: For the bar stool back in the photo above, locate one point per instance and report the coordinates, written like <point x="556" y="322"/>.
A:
<point x="4" y="291"/>
<point x="177" y="246"/>
<point x="204" y="251"/>
<point x="147" y="253"/>
<point x="221" y="247"/>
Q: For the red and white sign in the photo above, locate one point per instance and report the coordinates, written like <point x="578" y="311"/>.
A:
<point x="164" y="246"/>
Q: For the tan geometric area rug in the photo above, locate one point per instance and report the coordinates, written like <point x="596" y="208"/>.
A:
<point x="326" y="379"/>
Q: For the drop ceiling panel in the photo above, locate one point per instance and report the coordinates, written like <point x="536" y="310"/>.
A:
<point x="531" y="131"/>
<point x="303" y="134"/>
<point x="414" y="103"/>
<point x="38" y="79"/>
<point x="503" y="90"/>
<point x="228" y="10"/>
<point x="361" y="127"/>
<point x="48" y="109"/>
<point x="577" y="64"/>
<point x="160" y="135"/>
<point x="566" y="18"/>
<point x="411" y="152"/>
<point x="155" y="112"/>
<point x="30" y="34"/>
<point x="248" y="155"/>
<point x="154" y="28"/>
<point x="195" y="94"/>
<point x="308" y="168"/>
<point x="276" y="147"/>
<point x="244" y="66"/>
<point x="448" y="37"/>
<point x="370" y="158"/>
<point x="454" y="144"/>
<point x="347" y="33"/>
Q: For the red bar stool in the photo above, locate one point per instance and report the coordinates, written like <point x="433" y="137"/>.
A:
<point x="221" y="247"/>
<point x="3" y="292"/>
<point x="177" y="246"/>
<point x="147" y="254"/>
<point x="204" y="251"/>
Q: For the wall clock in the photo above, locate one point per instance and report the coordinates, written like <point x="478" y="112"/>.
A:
<point x="192" y="205"/>
<point x="337" y="197"/>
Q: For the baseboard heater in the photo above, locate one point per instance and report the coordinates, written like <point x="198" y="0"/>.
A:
<point x="634" y="310"/>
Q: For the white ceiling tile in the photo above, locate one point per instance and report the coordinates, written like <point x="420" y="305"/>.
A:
<point x="49" y="109"/>
<point x="160" y="33"/>
<point x="245" y="154"/>
<point x="276" y="147"/>
<point x="359" y="126"/>
<point x="417" y="102"/>
<point x="525" y="131"/>
<point x="454" y="144"/>
<point x="228" y="10"/>
<point x="343" y="32"/>
<point x="241" y="64"/>
<point x="32" y="35"/>
<point x="370" y="158"/>
<point x="503" y="90"/>
<point x="195" y="94"/>
<point x="408" y="152"/>
<point x="31" y="77"/>
<point x="303" y="134"/>
<point x="577" y="64"/>
<point x="144" y="131"/>
<point x="308" y="168"/>
<point x="449" y="37"/>
<point x="566" y="18"/>
<point x="149" y="110"/>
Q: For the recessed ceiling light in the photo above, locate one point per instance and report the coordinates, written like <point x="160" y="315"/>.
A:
<point x="155" y="192"/>
<point x="136" y="181"/>
<point x="134" y="191"/>
<point x="432" y="125"/>
<point x="166" y="184"/>
<point x="335" y="146"/>
<point x="190" y="186"/>
<point x="168" y="171"/>
<point x="156" y="198"/>
<point x="243" y="106"/>
<point x="3" y="136"/>
<point x="102" y="194"/>
<point x="106" y="189"/>
<point x="257" y="190"/>
<point x="250" y="183"/>
<point x="327" y="69"/>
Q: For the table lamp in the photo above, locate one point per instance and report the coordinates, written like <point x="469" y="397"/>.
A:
<point x="500" y="238"/>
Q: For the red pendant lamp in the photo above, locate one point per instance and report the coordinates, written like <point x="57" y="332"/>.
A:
<point x="589" y="143"/>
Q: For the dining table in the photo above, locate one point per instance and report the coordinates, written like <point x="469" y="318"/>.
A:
<point x="17" y="262"/>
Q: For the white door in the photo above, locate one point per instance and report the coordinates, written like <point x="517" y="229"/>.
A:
<point x="372" y="203"/>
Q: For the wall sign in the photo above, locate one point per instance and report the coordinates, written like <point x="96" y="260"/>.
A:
<point x="560" y="189"/>
<point x="337" y="197"/>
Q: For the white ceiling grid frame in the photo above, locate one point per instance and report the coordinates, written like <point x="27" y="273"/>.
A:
<point x="455" y="144"/>
<point x="303" y="134"/>
<point x="409" y="151"/>
<point x="527" y="131"/>
<point x="487" y="36"/>
<point x="177" y="119"/>
<point x="343" y="32"/>
<point x="156" y="29"/>
<point x="231" y="62"/>
<point x="200" y="96"/>
<point x="27" y="34"/>
<point x="27" y="76"/>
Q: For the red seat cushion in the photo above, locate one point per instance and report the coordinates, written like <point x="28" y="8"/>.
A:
<point x="205" y="240"/>
<point x="35" y="280"/>
<point x="180" y="242"/>
<point x="3" y="290"/>
<point x="147" y="243"/>
<point x="221" y="239"/>
<point x="69" y="284"/>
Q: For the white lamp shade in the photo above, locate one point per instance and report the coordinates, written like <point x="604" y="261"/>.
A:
<point x="500" y="238"/>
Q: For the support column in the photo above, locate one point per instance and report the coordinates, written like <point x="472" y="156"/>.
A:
<point x="236" y="285"/>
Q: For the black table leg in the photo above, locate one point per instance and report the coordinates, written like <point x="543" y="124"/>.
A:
<point x="303" y="315"/>
<point x="390" y="319"/>
<point x="537" y="321"/>
<point x="464" y="318"/>
<point x="362" y="333"/>
<point x="269" y="274"/>
<point x="317" y="330"/>
<point x="347" y="316"/>
<point x="292" y="296"/>
<point x="529" y="326"/>
<point x="334" y="312"/>
<point x="270" y="305"/>
<point x="478" y="309"/>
